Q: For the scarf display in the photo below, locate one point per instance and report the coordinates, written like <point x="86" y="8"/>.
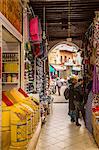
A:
<point x="95" y="81"/>
<point x="35" y="29"/>
<point x="96" y="66"/>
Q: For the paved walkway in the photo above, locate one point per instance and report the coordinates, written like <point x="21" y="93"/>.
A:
<point x="60" y="99"/>
<point x="58" y="133"/>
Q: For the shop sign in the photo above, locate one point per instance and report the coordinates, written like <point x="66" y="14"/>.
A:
<point x="12" y="10"/>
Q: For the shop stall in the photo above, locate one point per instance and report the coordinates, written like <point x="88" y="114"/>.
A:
<point x="20" y="113"/>
<point x="91" y="74"/>
<point x="95" y="106"/>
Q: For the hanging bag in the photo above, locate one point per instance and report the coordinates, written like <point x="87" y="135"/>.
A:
<point x="66" y="93"/>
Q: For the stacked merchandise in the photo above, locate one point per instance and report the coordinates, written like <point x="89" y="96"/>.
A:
<point x="39" y="75"/>
<point x="20" y="118"/>
<point x="40" y="78"/>
<point x="10" y="67"/>
<point x="95" y="117"/>
<point x="46" y="99"/>
<point x="40" y="88"/>
<point x="91" y="70"/>
<point x="29" y="69"/>
<point x="10" y="64"/>
<point x="46" y="83"/>
<point x="95" y="106"/>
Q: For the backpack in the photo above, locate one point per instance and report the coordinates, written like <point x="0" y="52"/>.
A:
<point x="66" y="93"/>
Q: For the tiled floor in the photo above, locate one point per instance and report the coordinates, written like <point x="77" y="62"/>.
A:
<point x="59" y="133"/>
<point x="58" y="99"/>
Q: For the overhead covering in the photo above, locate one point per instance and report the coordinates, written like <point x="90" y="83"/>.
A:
<point x="75" y="68"/>
<point x="58" y="67"/>
<point x="81" y="15"/>
<point x="52" y="69"/>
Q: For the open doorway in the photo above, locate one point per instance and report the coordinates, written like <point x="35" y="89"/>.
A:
<point x="65" y="62"/>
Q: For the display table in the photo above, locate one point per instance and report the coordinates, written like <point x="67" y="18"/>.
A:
<point x="95" y="123"/>
<point x="33" y="142"/>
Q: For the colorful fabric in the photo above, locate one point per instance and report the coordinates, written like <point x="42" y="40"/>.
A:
<point x="88" y="112"/>
<point x="34" y="29"/>
<point x="6" y="100"/>
<point x="95" y="81"/>
<point x="22" y="92"/>
<point x="36" y="49"/>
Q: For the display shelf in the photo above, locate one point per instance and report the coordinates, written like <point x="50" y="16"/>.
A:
<point x="7" y="62"/>
<point x="9" y="82"/>
<point x="10" y="63"/>
<point x="12" y="52"/>
<point x="11" y="72"/>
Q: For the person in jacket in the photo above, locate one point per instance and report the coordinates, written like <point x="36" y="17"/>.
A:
<point x="78" y="100"/>
<point x="71" y="112"/>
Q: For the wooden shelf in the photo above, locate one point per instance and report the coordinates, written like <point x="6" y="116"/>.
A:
<point x="9" y="62"/>
<point x="9" y="82"/>
<point x="12" y="52"/>
<point x="11" y="72"/>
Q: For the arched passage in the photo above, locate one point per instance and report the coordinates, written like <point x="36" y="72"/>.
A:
<point x="65" y="43"/>
<point x="65" y="59"/>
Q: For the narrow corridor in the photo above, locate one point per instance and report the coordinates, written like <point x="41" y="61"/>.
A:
<point x="58" y="133"/>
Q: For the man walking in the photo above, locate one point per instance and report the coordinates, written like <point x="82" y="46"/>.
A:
<point x="59" y="85"/>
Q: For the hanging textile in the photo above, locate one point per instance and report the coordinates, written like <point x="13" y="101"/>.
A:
<point x="95" y="81"/>
<point x="40" y="31"/>
<point x="96" y="46"/>
<point x="34" y="30"/>
<point x="36" y="49"/>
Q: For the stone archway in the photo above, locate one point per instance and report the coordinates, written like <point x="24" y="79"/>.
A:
<point x="54" y="43"/>
<point x="63" y="42"/>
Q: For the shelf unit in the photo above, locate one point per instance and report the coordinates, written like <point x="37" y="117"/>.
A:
<point x="11" y="72"/>
<point x="10" y="61"/>
<point x="9" y="82"/>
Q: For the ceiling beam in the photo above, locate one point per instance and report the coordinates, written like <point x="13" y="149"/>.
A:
<point x="85" y="23"/>
<point x="60" y="6"/>
<point x="51" y="20"/>
<point x="63" y="37"/>
<point x="61" y="2"/>
<point x="55" y="10"/>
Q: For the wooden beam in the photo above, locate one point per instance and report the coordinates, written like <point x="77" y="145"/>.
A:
<point x="72" y="20"/>
<point x="64" y="37"/>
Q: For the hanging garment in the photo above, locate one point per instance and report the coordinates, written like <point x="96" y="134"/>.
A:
<point x="41" y="49"/>
<point x="34" y="29"/>
<point x="40" y="31"/>
<point x="36" y="49"/>
<point x="95" y="81"/>
<point x="88" y="112"/>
